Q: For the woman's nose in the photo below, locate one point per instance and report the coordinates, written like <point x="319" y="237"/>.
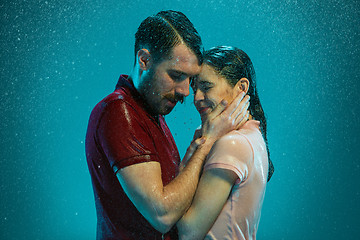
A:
<point x="199" y="95"/>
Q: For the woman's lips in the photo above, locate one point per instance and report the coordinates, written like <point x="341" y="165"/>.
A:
<point x="203" y="110"/>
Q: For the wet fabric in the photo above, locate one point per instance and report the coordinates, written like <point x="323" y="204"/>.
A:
<point x="240" y="216"/>
<point x="122" y="132"/>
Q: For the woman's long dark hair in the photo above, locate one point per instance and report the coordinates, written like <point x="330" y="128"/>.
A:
<point x="234" y="64"/>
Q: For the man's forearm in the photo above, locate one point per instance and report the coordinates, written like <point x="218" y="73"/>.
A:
<point x="178" y="194"/>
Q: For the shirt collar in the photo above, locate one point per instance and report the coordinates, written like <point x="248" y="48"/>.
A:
<point x="127" y="84"/>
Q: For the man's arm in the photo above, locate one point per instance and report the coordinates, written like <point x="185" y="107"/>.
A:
<point x="163" y="205"/>
<point x="197" y="141"/>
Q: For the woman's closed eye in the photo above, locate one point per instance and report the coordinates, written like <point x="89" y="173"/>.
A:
<point x="205" y="86"/>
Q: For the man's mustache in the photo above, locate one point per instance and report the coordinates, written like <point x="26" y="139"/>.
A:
<point x="175" y="98"/>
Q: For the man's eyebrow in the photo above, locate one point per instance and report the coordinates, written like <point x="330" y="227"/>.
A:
<point x="178" y="72"/>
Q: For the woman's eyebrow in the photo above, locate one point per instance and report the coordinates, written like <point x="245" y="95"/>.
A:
<point x="205" y="82"/>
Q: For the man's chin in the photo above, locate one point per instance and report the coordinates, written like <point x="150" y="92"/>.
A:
<point x="163" y="109"/>
<point x="166" y="110"/>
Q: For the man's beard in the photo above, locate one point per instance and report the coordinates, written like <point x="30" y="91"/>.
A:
<point x="150" y="92"/>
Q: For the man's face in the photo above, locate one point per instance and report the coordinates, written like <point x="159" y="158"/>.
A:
<point x="210" y="89"/>
<point x="167" y="82"/>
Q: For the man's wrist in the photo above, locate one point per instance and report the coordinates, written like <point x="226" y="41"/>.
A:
<point x="208" y="143"/>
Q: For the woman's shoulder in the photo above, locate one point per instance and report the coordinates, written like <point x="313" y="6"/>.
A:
<point x="234" y="145"/>
<point x="240" y="138"/>
<point x="231" y="152"/>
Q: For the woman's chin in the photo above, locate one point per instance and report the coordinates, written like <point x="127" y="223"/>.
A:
<point x="203" y="117"/>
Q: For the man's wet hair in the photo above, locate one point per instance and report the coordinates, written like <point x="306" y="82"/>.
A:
<point x="161" y="32"/>
<point x="233" y="64"/>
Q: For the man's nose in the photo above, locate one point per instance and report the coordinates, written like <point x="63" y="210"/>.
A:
<point x="183" y="88"/>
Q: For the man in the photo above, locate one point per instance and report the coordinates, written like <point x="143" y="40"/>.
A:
<point x="131" y="154"/>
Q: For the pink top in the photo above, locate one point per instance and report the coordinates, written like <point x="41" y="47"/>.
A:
<point x="240" y="216"/>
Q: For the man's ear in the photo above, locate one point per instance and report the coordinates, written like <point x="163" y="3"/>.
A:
<point x="243" y="84"/>
<point x="144" y="59"/>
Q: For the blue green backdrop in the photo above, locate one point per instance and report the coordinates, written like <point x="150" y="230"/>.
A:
<point x="59" y="58"/>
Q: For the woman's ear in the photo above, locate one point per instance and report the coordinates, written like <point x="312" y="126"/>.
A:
<point x="243" y="84"/>
<point x="144" y="59"/>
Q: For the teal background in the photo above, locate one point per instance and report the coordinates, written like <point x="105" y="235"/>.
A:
<point x="59" y="58"/>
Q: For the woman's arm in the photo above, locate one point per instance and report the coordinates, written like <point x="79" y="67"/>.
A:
<point x="215" y="186"/>
<point x="213" y="190"/>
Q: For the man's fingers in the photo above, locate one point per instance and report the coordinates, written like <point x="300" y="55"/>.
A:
<point x="242" y="108"/>
<point x="198" y="142"/>
<point x="197" y="134"/>
<point x="237" y="104"/>
<point x="242" y="119"/>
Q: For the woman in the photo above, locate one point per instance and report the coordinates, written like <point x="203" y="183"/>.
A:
<point x="228" y="201"/>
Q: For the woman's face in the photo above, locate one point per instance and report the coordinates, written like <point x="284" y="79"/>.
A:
<point x="210" y="89"/>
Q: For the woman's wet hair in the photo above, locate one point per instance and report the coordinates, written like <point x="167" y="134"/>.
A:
<point x="234" y="64"/>
<point x="160" y="33"/>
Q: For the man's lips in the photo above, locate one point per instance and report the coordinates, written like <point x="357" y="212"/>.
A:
<point x="171" y="102"/>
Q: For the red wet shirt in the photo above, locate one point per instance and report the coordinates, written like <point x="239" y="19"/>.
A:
<point x="121" y="132"/>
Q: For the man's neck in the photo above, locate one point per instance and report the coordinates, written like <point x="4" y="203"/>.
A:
<point x="135" y="78"/>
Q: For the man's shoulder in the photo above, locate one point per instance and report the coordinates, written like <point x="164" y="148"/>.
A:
<point x="120" y="94"/>
<point x="117" y="106"/>
<point x="119" y="98"/>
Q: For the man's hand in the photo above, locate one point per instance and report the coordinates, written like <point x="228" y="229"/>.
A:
<point x="195" y="143"/>
<point x="225" y="119"/>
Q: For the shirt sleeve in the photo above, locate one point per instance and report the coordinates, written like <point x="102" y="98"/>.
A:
<point x="234" y="154"/>
<point x="123" y="137"/>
